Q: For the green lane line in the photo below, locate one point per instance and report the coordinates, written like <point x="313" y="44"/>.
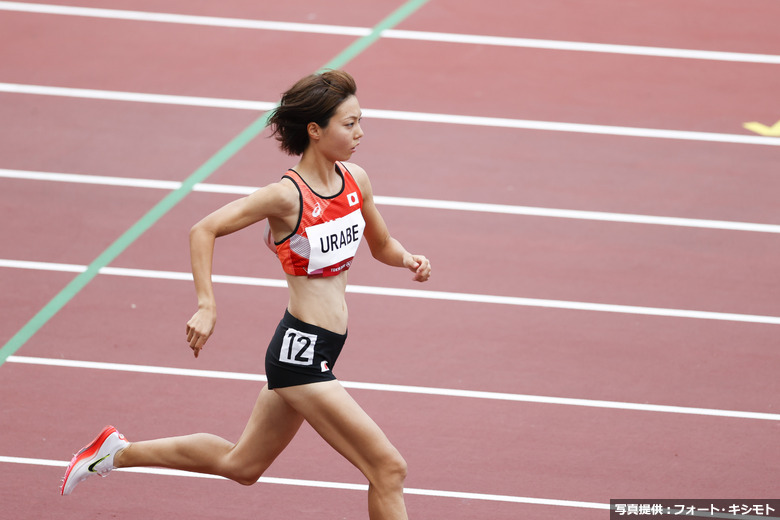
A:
<point x="173" y="198"/>
<point x="398" y="16"/>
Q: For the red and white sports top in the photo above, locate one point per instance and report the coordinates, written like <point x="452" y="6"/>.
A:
<point x="328" y="232"/>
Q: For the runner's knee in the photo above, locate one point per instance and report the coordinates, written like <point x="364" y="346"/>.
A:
<point x="391" y="474"/>
<point x="240" y="471"/>
<point x="245" y="476"/>
<point x="248" y="480"/>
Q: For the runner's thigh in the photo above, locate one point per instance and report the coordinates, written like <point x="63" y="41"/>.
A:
<point x="270" y="429"/>
<point x="335" y="415"/>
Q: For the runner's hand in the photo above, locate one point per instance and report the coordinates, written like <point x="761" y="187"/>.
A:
<point x="199" y="329"/>
<point x="420" y="266"/>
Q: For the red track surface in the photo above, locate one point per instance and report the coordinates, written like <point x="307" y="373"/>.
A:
<point x="519" y="449"/>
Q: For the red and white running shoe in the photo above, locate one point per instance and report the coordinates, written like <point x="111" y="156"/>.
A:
<point x="96" y="458"/>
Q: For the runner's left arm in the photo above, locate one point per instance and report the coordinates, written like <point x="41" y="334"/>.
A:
<point x="384" y="247"/>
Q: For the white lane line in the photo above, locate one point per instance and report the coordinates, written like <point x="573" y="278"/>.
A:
<point x="210" y="21"/>
<point x="469" y="39"/>
<point x="422" y="117"/>
<point x="139" y="369"/>
<point x="136" y="97"/>
<point x="325" y="484"/>
<point x="74" y="178"/>
<point x="407" y="389"/>
<point x="43" y="266"/>
<point x="577" y="214"/>
<point x="553" y="126"/>
<point x="413" y="293"/>
<point x="409" y="202"/>
<point x="559" y="45"/>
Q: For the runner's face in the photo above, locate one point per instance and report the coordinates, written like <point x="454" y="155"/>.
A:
<point x="342" y="135"/>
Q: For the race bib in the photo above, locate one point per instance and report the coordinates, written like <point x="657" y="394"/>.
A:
<point x="335" y="241"/>
<point x="298" y="347"/>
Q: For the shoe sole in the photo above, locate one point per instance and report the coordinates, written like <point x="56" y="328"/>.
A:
<point x="87" y="451"/>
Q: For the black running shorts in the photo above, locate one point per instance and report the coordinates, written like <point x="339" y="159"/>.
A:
<point x="300" y="353"/>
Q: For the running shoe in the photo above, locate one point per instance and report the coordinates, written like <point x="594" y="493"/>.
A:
<point x="96" y="458"/>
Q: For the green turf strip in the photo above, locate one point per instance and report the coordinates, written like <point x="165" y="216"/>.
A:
<point x="173" y="198"/>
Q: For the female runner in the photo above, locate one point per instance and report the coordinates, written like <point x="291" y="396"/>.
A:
<point x="317" y="214"/>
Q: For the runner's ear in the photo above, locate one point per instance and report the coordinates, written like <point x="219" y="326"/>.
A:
<point x="314" y="131"/>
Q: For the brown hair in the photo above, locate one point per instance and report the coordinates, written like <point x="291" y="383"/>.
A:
<point x="313" y="99"/>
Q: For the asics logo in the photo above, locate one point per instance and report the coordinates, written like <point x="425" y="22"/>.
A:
<point x="317" y="211"/>
<point x="91" y="467"/>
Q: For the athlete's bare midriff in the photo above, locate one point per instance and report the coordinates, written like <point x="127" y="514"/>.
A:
<point x="319" y="301"/>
